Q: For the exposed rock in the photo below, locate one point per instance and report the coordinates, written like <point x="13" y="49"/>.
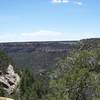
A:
<point x="89" y="44"/>
<point x="10" y="80"/>
<point x="4" y="98"/>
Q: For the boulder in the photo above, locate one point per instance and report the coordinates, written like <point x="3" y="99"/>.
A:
<point x="9" y="80"/>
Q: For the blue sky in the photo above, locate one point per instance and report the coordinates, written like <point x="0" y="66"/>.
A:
<point x="49" y="20"/>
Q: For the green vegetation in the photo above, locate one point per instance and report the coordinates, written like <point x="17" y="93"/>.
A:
<point x="31" y="87"/>
<point x="4" y="61"/>
<point x="76" y="77"/>
<point x="81" y="81"/>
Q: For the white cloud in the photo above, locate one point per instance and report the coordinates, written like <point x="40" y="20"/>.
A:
<point x="68" y="1"/>
<point x="78" y="3"/>
<point x="44" y="35"/>
<point x="65" y="1"/>
<point x="56" y="1"/>
<point x="60" y="1"/>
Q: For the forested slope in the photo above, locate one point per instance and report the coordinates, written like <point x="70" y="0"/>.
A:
<point x="75" y="77"/>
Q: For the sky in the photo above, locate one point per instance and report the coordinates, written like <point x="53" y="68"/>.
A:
<point x="49" y="20"/>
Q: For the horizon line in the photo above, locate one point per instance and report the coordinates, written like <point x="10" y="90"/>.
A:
<point x="73" y="40"/>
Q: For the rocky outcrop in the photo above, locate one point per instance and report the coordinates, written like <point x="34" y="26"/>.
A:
<point x="4" y="98"/>
<point x="89" y="44"/>
<point x="9" y="80"/>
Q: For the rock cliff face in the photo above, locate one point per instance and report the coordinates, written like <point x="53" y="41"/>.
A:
<point x="9" y="80"/>
<point x="44" y="55"/>
<point x="88" y="44"/>
<point x="37" y="55"/>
